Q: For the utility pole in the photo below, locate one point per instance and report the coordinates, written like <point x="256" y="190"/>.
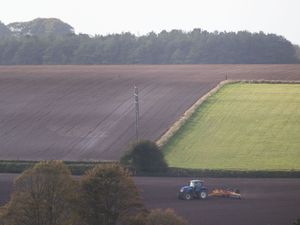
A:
<point x="137" y="112"/>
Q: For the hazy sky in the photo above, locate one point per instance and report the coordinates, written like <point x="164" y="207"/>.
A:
<point x="142" y="16"/>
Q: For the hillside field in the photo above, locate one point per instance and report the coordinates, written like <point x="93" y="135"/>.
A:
<point x="243" y="127"/>
<point x="86" y="113"/>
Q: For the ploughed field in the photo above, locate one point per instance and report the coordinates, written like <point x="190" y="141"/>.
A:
<point x="87" y="112"/>
<point x="264" y="201"/>
<point x="244" y="127"/>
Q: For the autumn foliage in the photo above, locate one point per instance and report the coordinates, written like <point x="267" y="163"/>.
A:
<point x="41" y="195"/>
<point x="47" y="194"/>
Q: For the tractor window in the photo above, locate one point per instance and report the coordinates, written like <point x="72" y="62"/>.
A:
<point x="196" y="184"/>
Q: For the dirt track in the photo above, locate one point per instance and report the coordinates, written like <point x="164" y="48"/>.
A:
<point x="265" y="201"/>
<point x="87" y="112"/>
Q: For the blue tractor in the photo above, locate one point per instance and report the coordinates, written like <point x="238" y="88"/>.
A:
<point x="195" y="190"/>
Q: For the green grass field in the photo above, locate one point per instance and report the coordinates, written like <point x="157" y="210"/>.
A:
<point x="241" y="127"/>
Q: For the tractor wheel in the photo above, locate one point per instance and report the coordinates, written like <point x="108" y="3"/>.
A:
<point x="187" y="196"/>
<point x="203" y="195"/>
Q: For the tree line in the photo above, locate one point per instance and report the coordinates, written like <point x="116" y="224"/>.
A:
<point x="173" y="47"/>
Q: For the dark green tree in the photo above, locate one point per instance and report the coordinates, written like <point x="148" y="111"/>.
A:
<point x="31" y="51"/>
<point x="4" y="31"/>
<point x="145" y="156"/>
<point x="297" y="48"/>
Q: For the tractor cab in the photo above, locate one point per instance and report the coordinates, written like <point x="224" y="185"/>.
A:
<point x="196" y="183"/>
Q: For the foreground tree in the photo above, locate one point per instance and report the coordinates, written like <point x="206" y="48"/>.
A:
<point x="157" y="217"/>
<point x="145" y="156"/>
<point x="3" y="211"/>
<point x="167" y="217"/>
<point x="108" y="196"/>
<point x="297" y="222"/>
<point x="42" y="195"/>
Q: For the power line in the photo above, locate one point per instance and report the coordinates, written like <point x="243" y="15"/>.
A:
<point x="137" y="112"/>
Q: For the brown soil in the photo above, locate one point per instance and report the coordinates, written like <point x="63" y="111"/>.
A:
<point x="264" y="201"/>
<point x="87" y="112"/>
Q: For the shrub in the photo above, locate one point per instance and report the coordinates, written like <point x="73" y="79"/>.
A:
<point x="167" y="217"/>
<point x="145" y="156"/>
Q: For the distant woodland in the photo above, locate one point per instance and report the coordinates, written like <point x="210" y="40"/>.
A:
<point x="51" y="41"/>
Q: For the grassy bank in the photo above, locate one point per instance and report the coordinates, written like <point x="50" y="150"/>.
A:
<point x="243" y="127"/>
<point x="201" y="173"/>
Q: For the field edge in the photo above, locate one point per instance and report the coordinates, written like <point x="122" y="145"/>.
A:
<point x="79" y="168"/>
